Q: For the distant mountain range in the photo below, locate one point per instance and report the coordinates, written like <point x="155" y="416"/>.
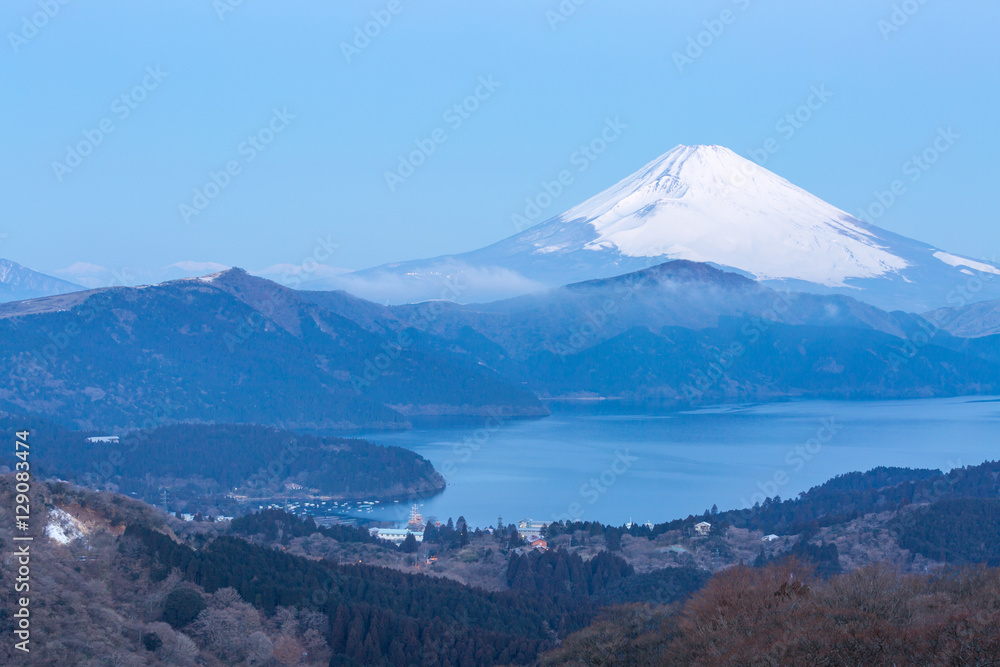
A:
<point x="705" y="204"/>
<point x="229" y="348"/>
<point x="684" y="331"/>
<point x="969" y="321"/>
<point x="18" y="282"/>
<point x="233" y="348"/>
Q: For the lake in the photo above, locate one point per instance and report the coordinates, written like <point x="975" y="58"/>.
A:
<point x="610" y="462"/>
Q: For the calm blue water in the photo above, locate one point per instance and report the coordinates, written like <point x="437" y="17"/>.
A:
<point x="607" y="462"/>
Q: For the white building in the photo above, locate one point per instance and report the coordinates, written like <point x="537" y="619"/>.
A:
<point x="103" y="438"/>
<point x="530" y="530"/>
<point x="703" y="528"/>
<point x="396" y="535"/>
<point x="769" y="538"/>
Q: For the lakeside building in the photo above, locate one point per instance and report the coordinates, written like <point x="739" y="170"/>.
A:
<point x="415" y="527"/>
<point x="396" y="535"/>
<point x="416" y="521"/>
<point x="531" y="530"/>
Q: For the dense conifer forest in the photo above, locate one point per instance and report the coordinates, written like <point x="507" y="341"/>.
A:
<point x="196" y="461"/>
<point x="248" y="592"/>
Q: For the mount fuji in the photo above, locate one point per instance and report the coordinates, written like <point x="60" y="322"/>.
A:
<point x="704" y="204"/>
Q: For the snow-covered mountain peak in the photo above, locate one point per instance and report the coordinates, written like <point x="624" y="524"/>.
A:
<point x="706" y="203"/>
<point x="18" y="282"/>
<point x="714" y="168"/>
<point x="703" y="204"/>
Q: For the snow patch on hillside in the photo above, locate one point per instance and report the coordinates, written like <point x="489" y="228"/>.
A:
<point x="955" y="260"/>
<point x="63" y="527"/>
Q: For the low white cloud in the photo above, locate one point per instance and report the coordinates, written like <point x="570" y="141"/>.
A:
<point x="87" y="274"/>
<point x="83" y="269"/>
<point x="454" y="281"/>
<point x="303" y="272"/>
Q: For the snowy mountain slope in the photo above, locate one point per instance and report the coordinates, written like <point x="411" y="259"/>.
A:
<point x="701" y="203"/>
<point x="18" y="282"/>
<point x="705" y="203"/>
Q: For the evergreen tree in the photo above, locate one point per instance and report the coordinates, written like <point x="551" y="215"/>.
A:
<point x="613" y="538"/>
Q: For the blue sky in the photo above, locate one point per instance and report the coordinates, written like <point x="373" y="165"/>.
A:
<point x="200" y="80"/>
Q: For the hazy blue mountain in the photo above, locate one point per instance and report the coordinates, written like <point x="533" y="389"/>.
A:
<point x="676" y="294"/>
<point x="410" y="373"/>
<point x="230" y="347"/>
<point x="685" y="331"/>
<point x="18" y="282"/>
<point x="747" y="359"/>
<point x="566" y="319"/>
<point x="196" y="350"/>
<point x="968" y="321"/>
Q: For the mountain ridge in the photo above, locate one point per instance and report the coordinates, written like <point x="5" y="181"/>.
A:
<point x="191" y="351"/>
<point x="701" y="203"/>
<point x="18" y="283"/>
